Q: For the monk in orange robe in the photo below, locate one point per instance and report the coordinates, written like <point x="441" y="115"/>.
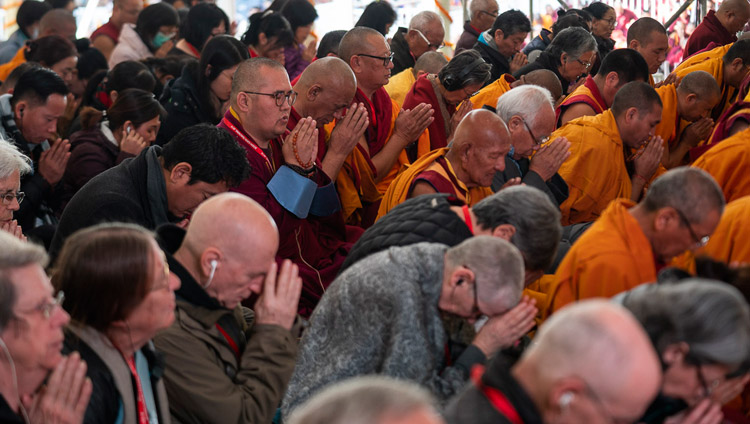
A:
<point x="596" y="94"/>
<point x="729" y="242"/>
<point x="490" y="94"/>
<point x="600" y="168"/>
<point x="648" y="37"/>
<point x="691" y="101"/>
<point x="400" y="84"/>
<point x="728" y="71"/>
<point x="465" y="170"/>
<point x="629" y="243"/>
<point x="728" y="162"/>
<point x="379" y="153"/>
<point x="732" y="121"/>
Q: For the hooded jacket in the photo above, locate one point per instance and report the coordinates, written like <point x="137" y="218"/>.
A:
<point x="488" y="49"/>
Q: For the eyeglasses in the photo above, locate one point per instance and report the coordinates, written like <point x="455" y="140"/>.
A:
<point x="610" y="22"/>
<point x="7" y="198"/>
<point x="707" y="388"/>
<point x="165" y="281"/>
<point x="430" y="45"/>
<point x="279" y="96"/>
<point x="493" y="14"/>
<point x="537" y="141"/>
<point x="386" y="60"/>
<point x="586" y="65"/>
<point x="469" y="94"/>
<point x="48" y="307"/>
<point x="699" y="241"/>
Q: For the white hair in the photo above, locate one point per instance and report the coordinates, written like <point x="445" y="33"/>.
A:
<point x="422" y="19"/>
<point x="477" y="6"/>
<point x="12" y="160"/>
<point x="526" y="101"/>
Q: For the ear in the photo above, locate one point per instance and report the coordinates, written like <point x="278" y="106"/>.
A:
<point x="313" y="92"/>
<point x="612" y="79"/>
<point x="21" y="106"/>
<point x="631" y="114"/>
<point x="243" y="102"/>
<point x="208" y="70"/>
<point x="515" y="123"/>
<point x="563" y="57"/>
<point x="126" y="124"/>
<point x="563" y="392"/>
<point x="209" y="255"/>
<point x="737" y="63"/>
<point x="691" y="98"/>
<point x="180" y="173"/>
<point x="504" y="231"/>
<point x="499" y="35"/>
<point x="634" y="44"/>
<point x="355" y="65"/>
<point x="113" y="96"/>
<point x="461" y="275"/>
<point x="262" y="39"/>
<point x="675" y="353"/>
<point x="665" y="218"/>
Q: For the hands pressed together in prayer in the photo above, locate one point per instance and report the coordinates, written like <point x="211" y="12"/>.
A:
<point x="63" y="400"/>
<point x="349" y="130"/>
<point x="300" y="147"/>
<point x="519" y="61"/>
<point x="412" y="122"/>
<point x="698" y="131"/>
<point x="548" y="159"/>
<point x="502" y="331"/>
<point x="13" y="228"/>
<point x="648" y="162"/>
<point x="52" y="162"/>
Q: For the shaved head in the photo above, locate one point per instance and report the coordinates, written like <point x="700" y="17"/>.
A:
<point x="246" y="76"/>
<point x="327" y="72"/>
<point x="636" y="94"/>
<point x="480" y="127"/>
<point x="546" y="79"/>
<point x="600" y="343"/>
<point x="325" y="89"/>
<point x="700" y="83"/>
<point x="479" y="147"/>
<point x="735" y="6"/>
<point x="733" y="14"/>
<point x="690" y="190"/>
<point x="430" y="63"/>
<point x="643" y="29"/>
<point x="355" y="40"/>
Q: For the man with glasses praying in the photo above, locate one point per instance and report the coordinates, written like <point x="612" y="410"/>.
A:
<point x="382" y="149"/>
<point x="286" y="177"/>
<point x="482" y="15"/>
<point x="529" y="113"/>
<point x="601" y="167"/>
<point x="383" y="316"/>
<point x="425" y="33"/>
<point x="630" y="243"/>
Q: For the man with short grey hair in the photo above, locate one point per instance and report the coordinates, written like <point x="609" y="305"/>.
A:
<point x="369" y="400"/>
<point x="383" y="316"/>
<point x="425" y="33"/>
<point x="529" y="112"/>
<point x="13" y="164"/>
<point x="482" y="14"/>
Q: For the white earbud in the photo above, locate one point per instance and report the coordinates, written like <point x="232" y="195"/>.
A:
<point x="565" y="399"/>
<point x="214" y="264"/>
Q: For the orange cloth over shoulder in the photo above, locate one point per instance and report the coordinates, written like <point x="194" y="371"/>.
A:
<point x="669" y="127"/>
<point x="715" y="67"/>
<point x="610" y="257"/>
<point x="18" y="59"/>
<point x="492" y="92"/>
<point x="595" y="171"/>
<point x="399" y="189"/>
<point x="587" y="93"/>
<point x="729" y="242"/>
<point x="399" y="85"/>
<point x="717" y="52"/>
<point x="728" y="162"/>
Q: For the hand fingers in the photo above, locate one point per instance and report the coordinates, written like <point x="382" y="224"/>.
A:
<point x="269" y="284"/>
<point x="75" y="385"/>
<point x="83" y="398"/>
<point x="284" y="279"/>
<point x="58" y="375"/>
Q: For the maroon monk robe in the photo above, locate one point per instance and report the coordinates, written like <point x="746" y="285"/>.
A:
<point x="294" y="118"/>
<point x="422" y="92"/>
<point x="710" y="29"/>
<point x="380" y="114"/>
<point x="317" y="245"/>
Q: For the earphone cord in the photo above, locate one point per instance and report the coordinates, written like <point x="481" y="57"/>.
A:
<point x="14" y="377"/>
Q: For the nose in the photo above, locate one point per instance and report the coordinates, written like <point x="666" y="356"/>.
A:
<point x="500" y="164"/>
<point x="61" y="317"/>
<point x="14" y="205"/>
<point x="174" y="281"/>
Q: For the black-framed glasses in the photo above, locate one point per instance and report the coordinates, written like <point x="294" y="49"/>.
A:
<point x="537" y="141"/>
<point x="430" y="45"/>
<point x="586" y="65"/>
<point x="707" y="388"/>
<point x="7" y="198"/>
<point x="493" y="14"/>
<point x="699" y="241"/>
<point x="386" y="60"/>
<point x="48" y="306"/>
<point x="279" y="96"/>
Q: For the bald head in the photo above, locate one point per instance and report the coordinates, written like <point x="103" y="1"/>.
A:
<point x="481" y="127"/>
<point x="479" y="147"/>
<point x="636" y="94"/>
<point x="355" y="40"/>
<point x="643" y="29"/>
<point x="430" y="63"/>
<point x="602" y="344"/>
<point x="543" y="78"/>
<point x="700" y="83"/>
<point x="692" y="191"/>
<point x="58" y="22"/>
<point x="325" y="88"/>
<point x="246" y="78"/>
<point x="733" y="14"/>
<point x="327" y="72"/>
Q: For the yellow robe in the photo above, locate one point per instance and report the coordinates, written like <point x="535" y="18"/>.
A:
<point x="715" y="67"/>
<point x="714" y="53"/>
<point x="668" y="128"/>
<point x="492" y="92"/>
<point x="18" y="59"/>
<point x="595" y="171"/>
<point x="612" y="256"/>
<point x="729" y="242"/>
<point x="399" y="85"/>
<point x="398" y="191"/>
<point x="728" y="162"/>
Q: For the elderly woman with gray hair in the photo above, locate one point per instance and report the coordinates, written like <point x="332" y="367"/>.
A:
<point x="13" y="164"/>
<point x="701" y="329"/>
<point x="569" y="56"/>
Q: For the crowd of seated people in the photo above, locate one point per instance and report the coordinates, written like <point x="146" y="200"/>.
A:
<point x="200" y="226"/>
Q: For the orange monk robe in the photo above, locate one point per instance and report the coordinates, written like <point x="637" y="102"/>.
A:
<point x="400" y="84"/>
<point x="587" y="93"/>
<point x="436" y="163"/>
<point x="728" y="162"/>
<point x="669" y="126"/>
<point x="492" y="92"/>
<point x="357" y="183"/>
<point x="715" y="67"/>
<point x="18" y="59"/>
<point x="612" y="256"/>
<point x="595" y="171"/>
<point x="729" y="242"/>
<point x="714" y="53"/>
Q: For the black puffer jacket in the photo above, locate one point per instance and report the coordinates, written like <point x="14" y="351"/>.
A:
<point x="183" y="105"/>
<point x="427" y="218"/>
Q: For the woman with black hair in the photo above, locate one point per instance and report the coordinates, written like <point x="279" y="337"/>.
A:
<point x="301" y="15"/>
<point x="267" y="36"/>
<point x="204" y="20"/>
<point x="128" y="126"/>
<point x="201" y="93"/>
<point x="151" y="35"/>
<point x="53" y="52"/>
<point x="378" y="15"/>
<point x="604" y="19"/>
<point x="90" y="61"/>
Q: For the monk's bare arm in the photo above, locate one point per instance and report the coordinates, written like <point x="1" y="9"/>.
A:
<point x="576" y="111"/>
<point x="420" y="188"/>
<point x="104" y="44"/>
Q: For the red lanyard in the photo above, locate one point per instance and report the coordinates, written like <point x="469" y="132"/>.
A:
<point x="237" y="133"/>
<point x="495" y="397"/>
<point x="193" y="49"/>
<point x="142" y="411"/>
<point x="467" y="218"/>
<point x="231" y="342"/>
